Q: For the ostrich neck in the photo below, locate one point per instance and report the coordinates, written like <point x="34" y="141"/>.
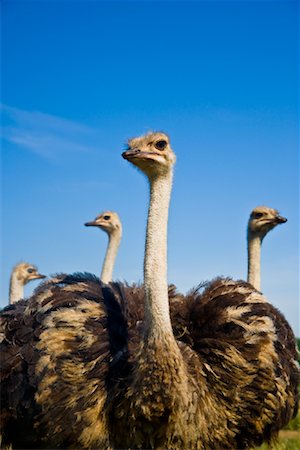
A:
<point x="254" y="247"/>
<point x="157" y="315"/>
<point x="160" y="368"/>
<point x="110" y="257"/>
<point x="16" y="289"/>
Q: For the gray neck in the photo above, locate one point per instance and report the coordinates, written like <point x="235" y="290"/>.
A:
<point x="110" y="257"/>
<point x="254" y="249"/>
<point x="157" y="315"/>
<point x="16" y="289"/>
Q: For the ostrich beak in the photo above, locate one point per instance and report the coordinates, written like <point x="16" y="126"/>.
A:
<point x="136" y="153"/>
<point x="39" y="275"/>
<point x="131" y="153"/>
<point x="280" y="219"/>
<point x="91" y="224"/>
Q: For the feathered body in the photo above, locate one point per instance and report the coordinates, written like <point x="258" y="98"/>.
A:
<point x="73" y="371"/>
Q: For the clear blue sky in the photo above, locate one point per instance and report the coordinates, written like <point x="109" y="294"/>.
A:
<point x="220" y="77"/>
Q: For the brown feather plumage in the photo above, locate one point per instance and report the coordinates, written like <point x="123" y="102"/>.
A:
<point x="70" y="377"/>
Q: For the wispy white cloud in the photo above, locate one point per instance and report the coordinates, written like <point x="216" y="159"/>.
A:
<point x="46" y="135"/>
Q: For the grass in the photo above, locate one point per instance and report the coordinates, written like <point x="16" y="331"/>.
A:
<point x="294" y="424"/>
<point x="283" y="444"/>
<point x="289" y="437"/>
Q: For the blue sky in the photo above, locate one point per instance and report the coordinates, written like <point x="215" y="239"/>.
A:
<point x="220" y="77"/>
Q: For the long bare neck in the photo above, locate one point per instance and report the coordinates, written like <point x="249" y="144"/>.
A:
<point x="254" y="249"/>
<point x="157" y="316"/>
<point x="16" y="289"/>
<point x="110" y="257"/>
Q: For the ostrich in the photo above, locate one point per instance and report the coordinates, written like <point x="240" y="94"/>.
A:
<point x="21" y="274"/>
<point x="110" y="222"/>
<point x="78" y="373"/>
<point x="179" y="395"/>
<point x="262" y="220"/>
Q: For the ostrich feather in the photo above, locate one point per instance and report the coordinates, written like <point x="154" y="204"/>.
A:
<point x="69" y="357"/>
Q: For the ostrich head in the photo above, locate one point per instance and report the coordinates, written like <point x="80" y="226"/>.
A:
<point x="26" y="272"/>
<point x="262" y="220"/>
<point x="108" y="221"/>
<point x="151" y="153"/>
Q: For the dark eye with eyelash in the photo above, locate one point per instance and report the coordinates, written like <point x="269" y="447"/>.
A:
<point x="30" y="270"/>
<point x="258" y="215"/>
<point x="160" y="145"/>
<point x="106" y="217"/>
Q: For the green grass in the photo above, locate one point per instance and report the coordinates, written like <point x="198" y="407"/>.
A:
<point x="283" y="444"/>
<point x="294" y="424"/>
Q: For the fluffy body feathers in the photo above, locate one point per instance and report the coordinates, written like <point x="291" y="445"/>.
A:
<point x="69" y="369"/>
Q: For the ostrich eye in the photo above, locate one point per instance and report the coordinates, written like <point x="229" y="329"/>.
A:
<point x="106" y="217"/>
<point x="30" y="270"/>
<point x="160" y="145"/>
<point x="258" y="215"/>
